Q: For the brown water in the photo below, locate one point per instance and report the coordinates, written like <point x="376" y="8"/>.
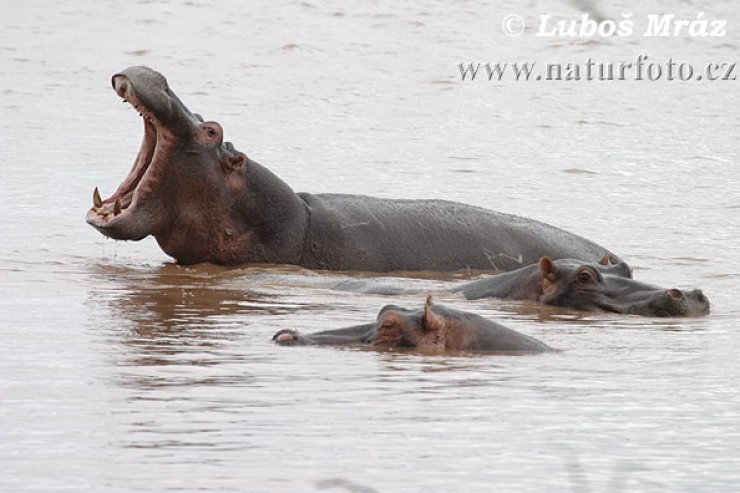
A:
<point x="124" y="372"/>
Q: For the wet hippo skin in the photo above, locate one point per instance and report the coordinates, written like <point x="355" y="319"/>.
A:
<point x="205" y="201"/>
<point x="432" y="329"/>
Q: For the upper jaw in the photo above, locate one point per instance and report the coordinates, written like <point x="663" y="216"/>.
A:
<point x="119" y="216"/>
<point x="146" y="90"/>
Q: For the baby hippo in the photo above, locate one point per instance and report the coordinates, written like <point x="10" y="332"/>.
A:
<point x="583" y="286"/>
<point x="433" y="329"/>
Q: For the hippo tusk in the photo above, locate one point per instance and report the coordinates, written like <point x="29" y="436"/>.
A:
<point x="97" y="201"/>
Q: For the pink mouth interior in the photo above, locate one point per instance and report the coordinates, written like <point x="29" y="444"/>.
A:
<point x="126" y="191"/>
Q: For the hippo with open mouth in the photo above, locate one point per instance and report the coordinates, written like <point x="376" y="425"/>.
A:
<point x="602" y="286"/>
<point x="205" y="201"/>
<point x="433" y="329"/>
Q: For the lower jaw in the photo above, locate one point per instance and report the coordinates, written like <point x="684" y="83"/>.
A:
<point x="128" y="225"/>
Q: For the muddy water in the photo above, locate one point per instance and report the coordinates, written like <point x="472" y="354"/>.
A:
<point x="122" y="372"/>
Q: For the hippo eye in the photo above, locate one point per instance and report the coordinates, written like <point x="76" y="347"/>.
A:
<point x="211" y="132"/>
<point x="584" y="277"/>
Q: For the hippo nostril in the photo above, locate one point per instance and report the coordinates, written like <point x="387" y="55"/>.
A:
<point x="676" y="294"/>
<point x="120" y="84"/>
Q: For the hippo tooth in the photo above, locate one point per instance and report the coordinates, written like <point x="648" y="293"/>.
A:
<point x="117" y="207"/>
<point x="97" y="201"/>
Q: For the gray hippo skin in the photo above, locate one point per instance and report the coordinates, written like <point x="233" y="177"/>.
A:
<point x="433" y="329"/>
<point x="579" y="285"/>
<point x="204" y="201"/>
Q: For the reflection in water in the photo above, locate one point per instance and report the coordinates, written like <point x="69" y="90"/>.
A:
<point x="172" y="315"/>
<point x="171" y="295"/>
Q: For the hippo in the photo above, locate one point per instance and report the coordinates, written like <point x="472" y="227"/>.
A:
<point x="602" y="286"/>
<point x="433" y="329"/>
<point x="205" y="201"/>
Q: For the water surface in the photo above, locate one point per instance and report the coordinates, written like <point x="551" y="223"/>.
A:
<point x="122" y="371"/>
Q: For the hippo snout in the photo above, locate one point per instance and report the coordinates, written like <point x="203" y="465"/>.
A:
<point x="147" y="91"/>
<point x="120" y="84"/>
<point x="677" y="303"/>
<point x="699" y="295"/>
<point x="140" y="77"/>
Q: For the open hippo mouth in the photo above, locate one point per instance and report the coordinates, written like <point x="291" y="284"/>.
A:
<point x="106" y="214"/>
<point x="132" y="212"/>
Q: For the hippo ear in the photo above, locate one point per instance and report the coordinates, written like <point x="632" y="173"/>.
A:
<point x="233" y="163"/>
<point x="431" y="320"/>
<point x="624" y="269"/>
<point x="605" y="260"/>
<point x="548" y="269"/>
<point x="428" y="306"/>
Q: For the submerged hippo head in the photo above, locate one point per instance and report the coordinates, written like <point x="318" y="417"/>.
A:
<point x="187" y="186"/>
<point x="437" y="329"/>
<point x="432" y="329"/>
<point x="417" y="328"/>
<point x="573" y="284"/>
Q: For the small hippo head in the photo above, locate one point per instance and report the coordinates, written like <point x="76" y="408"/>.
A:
<point x="420" y="328"/>
<point x="435" y="329"/>
<point x="603" y="286"/>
